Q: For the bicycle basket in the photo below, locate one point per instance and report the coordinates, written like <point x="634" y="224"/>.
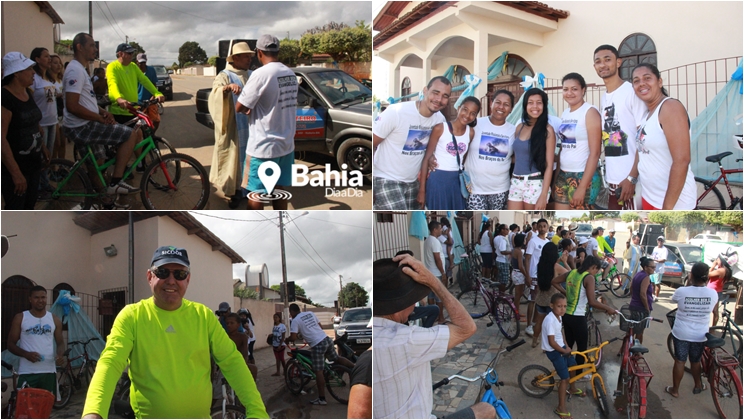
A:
<point x="625" y="310"/>
<point x="34" y="403"/>
<point x="671" y="317"/>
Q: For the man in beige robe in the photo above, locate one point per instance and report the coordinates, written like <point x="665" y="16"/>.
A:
<point x="230" y="133"/>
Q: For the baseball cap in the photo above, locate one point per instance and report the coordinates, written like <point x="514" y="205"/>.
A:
<point x="169" y="255"/>
<point x="268" y="43"/>
<point x="13" y="62"/>
<point x="599" y="228"/>
<point x="660" y="238"/>
<point x="612" y="230"/>
<point x="142" y="58"/>
<point x="125" y="48"/>
<point x="224" y="307"/>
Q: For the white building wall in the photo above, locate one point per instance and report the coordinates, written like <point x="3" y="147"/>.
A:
<point x="25" y="27"/>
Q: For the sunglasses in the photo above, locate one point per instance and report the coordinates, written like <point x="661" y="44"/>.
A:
<point x="164" y="273"/>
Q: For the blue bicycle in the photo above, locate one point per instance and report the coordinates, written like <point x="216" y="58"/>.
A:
<point x="490" y="378"/>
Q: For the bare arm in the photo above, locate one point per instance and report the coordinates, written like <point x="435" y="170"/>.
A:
<point x="7" y="156"/>
<point x="376" y="140"/>
<point x="644" y="297"/>
<point x="673" y="119"/>
<point x="589" y="282"/>
<point x="594" y="132"/>
<point x="360" y="402"/>
<point x="520" y="260"/>
<point x="434" y="138"/>
<point x="242" y="109"/>
<point x="14" y="336"/>
<point x="548" y="177"/>
<point x="558" y="280"/>
<point x="72" y="103"/>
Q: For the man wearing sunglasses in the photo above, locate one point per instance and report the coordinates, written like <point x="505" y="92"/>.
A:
<point x="168" y="341"/>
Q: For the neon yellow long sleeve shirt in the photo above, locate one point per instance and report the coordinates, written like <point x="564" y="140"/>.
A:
<point x="123" y="82"/>
<point x="169" y="358"/>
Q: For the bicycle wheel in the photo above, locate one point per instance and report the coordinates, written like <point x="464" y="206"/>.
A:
<point x="594" y="339"/>
<point x="637" y="398"/>
<point x="506" y="318"/>
<point x="733" y="341"/>
<point x="163" y="146"/>
<point x="189" y="179"/>
<point x="338" y="382"/>
<point x="294" y="377"/>
<point x="620" y="285"/>
<point x="670" y="345"/>
<point x="65" y="384"/>
<point x="230" y="412"/>
<point x="536" y="381"/>
<point x="604" y="405"/>
<point x="473" y="302"/>
<point x="725" y="386"/>
<point x="70" y="191"/>
<point x="713" y="201"/>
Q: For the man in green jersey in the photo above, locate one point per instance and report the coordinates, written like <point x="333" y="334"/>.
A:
<point x="168" y="341"/>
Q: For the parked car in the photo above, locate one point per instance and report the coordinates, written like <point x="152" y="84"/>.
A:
<point x="701" y="239"/>
<point x="679" y="262"/>
<point x="334" y="117"/>
<point x="354" y="324"/>
<point x="584" y="230"/>
<point x="164" y="84"/>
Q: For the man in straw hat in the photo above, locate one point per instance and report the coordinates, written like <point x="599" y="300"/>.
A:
<point x="230" y="128"/>
<point x="401" y="382"/>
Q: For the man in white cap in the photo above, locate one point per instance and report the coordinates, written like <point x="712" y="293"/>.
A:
<point x="143" y="94"/>
<point x="270" y="101"/>
<point x="230" y="128"/>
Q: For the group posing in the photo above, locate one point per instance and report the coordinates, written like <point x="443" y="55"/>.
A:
<point x="420" y="158"/>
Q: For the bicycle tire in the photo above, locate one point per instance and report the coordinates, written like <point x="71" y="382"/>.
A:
<point x="192" y="184"/>
<point x="670" y="345"/>
<point x="604" y="405"/>
<point x="74" y="195"/>
<point x="622" y="386"/>
<point x="725" y="387"/>
<point x="338" y="382"/>
<point x="66" y="387"/>
<point x="733" y="341"/>
<point x="506" y="318"/>
<point x="529" y="377"/>
<point x="637" y="399"/>
<point x="294" y="378"/>
<point x="474" y="303"/>
<point x="231" y="412"/>
<point x="617" y="281"/>
<point x="165" y="148"/>
<point x="594" y="339"/>
<point x="712" y="201"/>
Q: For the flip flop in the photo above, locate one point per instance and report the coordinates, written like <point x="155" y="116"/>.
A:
<point x="562" y="415"/>
<point x="667" y="389"/>
<point x="579" y="393"/>
<point x="698" y="390"/>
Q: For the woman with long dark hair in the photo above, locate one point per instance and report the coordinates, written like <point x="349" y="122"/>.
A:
<point x="534" y="147"/>
<point x="642" y="293"/>
<point x="486" y="248"/>
<point x="547" y="269"/>
<point x="45" y="96"/>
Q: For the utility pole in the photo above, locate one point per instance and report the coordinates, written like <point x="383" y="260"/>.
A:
<point x="340" y="289"/>
<point x="284" y="268"/>
<point x="90" y="18"/>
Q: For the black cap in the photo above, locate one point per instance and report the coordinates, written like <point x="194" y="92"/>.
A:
<point x="169" y="255"/>
<point x="125" y="48"/>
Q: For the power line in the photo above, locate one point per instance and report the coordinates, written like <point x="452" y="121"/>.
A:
<point x="342" y="224"/>
<point x="107" y="19"/>
<point x="316" y="251"/>
<point x="309" y="257"/>
<point x="232" y="220"/>
<point x="191" y="14"/>
<point x="112" y="17"/>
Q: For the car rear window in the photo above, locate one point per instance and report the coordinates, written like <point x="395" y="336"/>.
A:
<point x="357" y="315"/>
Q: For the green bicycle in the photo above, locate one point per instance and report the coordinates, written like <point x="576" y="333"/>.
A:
<point x="616" y="282"/>
<point x="300" y="372"/>
<point x="173" y="181"/>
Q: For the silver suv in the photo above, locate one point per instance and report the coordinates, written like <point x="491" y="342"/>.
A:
<point x="354" y="324"/>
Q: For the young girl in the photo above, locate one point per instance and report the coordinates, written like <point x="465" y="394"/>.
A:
<point x="718" y="275"/>
<point x="279" y="331"/>
<point x="441" y="191"/>
<point x="533" y="155"/>
<point x="519" y="271"/>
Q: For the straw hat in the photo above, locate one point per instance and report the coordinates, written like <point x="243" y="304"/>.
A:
<point x="240" y="48"/>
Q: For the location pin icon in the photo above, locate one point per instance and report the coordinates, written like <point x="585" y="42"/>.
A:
<point x="269" y="181"/>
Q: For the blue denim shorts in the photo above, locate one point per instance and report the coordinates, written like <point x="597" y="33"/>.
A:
<point x="561" y="363"/>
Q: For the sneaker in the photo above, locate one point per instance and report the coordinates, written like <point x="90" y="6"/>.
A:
<point x="121" y="188"/>
<point x="529" y="331"/>
<point x="318" y="401"/>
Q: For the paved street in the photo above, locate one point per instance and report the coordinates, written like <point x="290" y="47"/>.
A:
<point x="473" y="356"/>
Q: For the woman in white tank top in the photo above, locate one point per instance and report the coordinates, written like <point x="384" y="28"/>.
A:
<point x="663" y="146"/>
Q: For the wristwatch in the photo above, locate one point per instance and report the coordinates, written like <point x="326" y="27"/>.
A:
<point x="633" y="180"/>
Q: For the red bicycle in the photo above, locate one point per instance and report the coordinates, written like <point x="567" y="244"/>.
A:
<point x="710" y="197"/>
<point x="635" y="374"/>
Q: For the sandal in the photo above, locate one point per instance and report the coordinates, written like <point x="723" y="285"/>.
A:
<point x="699" y="390"/>
<point x="578" y="393"/>
<point x="668" y="390"/>
<point x="562" y="415"/>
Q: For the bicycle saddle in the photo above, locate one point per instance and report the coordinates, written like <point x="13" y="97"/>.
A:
<point x="639" y="349"/>
<point x="713" y="341"/>
<point x="718" y="157"/>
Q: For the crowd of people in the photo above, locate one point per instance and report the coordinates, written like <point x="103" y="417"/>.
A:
<point x="588" y="159"/>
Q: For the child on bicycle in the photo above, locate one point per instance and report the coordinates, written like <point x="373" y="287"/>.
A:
<point x="553" y="344"/>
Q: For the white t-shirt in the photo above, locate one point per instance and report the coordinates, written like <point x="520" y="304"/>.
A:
<point x="693" y="314"/>
<point x="535" y="248"/>
<point x="406" y="133"/>
<point x="76" y="80"/>
<point x="271" y="94"/>
<point x="45" y="96"/>
<point x="277" y="332"/>
<point x="655" y="164"/>
<point x="622" y="112"/>
<point x="551" y="325"/>
<point x="445" y="151"/>
<point x="499" y="243"/>
<point x="574" y="139"/>
<point x="660" y="254"/>
<point x="432" y="245"/>
<point x="252" y="338"/>
<point x="591" y="246"/>
<point x="37" y="335"/>
<point x="490" y="157"/>
<point x="485" y="243"/>
<point x="307" y="324"/>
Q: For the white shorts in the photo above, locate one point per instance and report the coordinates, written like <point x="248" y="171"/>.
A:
<point x="527" y="191"/>
<point x="517" y="277"/>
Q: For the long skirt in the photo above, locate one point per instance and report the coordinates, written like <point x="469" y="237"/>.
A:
<point x="443" y="191"/>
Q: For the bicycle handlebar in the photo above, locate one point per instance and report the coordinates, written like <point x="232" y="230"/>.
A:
<point x="632" y="321"/>
<point x="72" y="343"/>
<point x="488" y="371"/>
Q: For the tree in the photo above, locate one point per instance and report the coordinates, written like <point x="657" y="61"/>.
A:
<point x="212" y="60"/>
<point x="299" y="291"/>
<point x="137" y="47"/>
<point x="243" y="293"/>
<point x="352" y="295"/>
<point x="63" y="47"/>
<point x="630" y="216"/>
<point x="191" y="52"/>
<point x="174" y="66"/>
<point x="289" y="52"/>
<point x="341" y="42"/>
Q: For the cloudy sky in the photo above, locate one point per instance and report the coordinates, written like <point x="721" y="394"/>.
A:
<point x="161" y="27"/>
<point x="342" y="240"/>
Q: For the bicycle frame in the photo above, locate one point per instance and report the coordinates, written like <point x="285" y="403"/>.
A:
<point x="588" y="368"/>
<point x="713" y="184"/>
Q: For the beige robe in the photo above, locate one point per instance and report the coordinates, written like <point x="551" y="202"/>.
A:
<point x="224" y="171"/>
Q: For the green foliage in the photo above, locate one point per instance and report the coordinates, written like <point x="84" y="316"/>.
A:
<point x="212" y="60"/>
<point x="676" y="218"/>
<point x="191" y="53"/>
<point x="299" y="291"/>
<point x="341" y="42"/>
<point x="630" y="216"/>
<point x="174" y="66"/>
<point x="289" y="52"/>
<point x="64" y="47"/>
<point x="243" y="293"/>
<point x="353" y="295"/>
<point x="136" y="46"/>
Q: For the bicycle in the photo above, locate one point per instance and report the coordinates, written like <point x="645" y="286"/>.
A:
<point x="616" y="282"/>
<point x="537" y="381"/>
<point x="720" y="367"/>
<point x="9" y="410"/>
<point x="715" y="201"/>
<point x="729" y="328"/>
<point x="489" y="378"/>
<point x="170" y="181"/>
<point x="635" y="374"/>
<point x="499" y="306"/>
<point x="67" y="380"/>
<point x="26" y="402"/>
<point x="230" y="408"/>
<point x="299" y="373"/>
<point x="594" y="336"/>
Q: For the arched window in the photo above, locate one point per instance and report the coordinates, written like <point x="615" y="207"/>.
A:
<point x="458" y="77"/>
<point x="61" y="286"/>
<point x="635" y="49"/>
<point x="516" y="68"/>
<point x="405" y="88"/>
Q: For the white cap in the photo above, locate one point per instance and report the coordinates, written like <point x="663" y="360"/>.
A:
<point x="13" y="62"/>
<point x="583" y="240"/>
